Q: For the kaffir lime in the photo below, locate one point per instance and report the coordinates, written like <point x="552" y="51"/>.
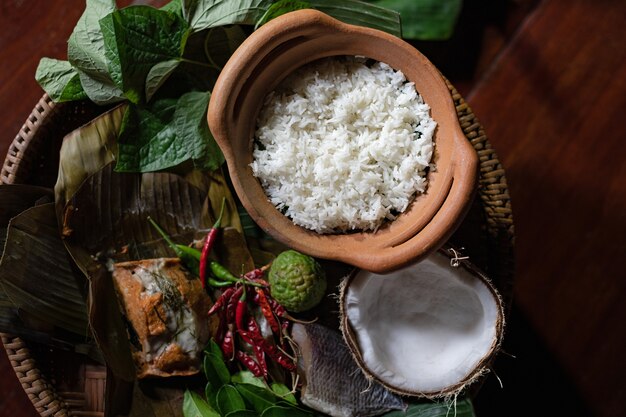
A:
<point x="297" y="281"/>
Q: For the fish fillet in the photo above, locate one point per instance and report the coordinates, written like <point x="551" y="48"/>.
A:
<point x="333" y="383"/>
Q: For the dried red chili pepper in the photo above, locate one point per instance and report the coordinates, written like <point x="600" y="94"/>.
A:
<point x="259" y="353"/>
<point x="249" y="363"/>
<point x="267" y="311"/>
<point x="232" y="305"/>
<point x="254" y="334"/>
<point x="222" y="300"/>
<point x="209" y="242"/>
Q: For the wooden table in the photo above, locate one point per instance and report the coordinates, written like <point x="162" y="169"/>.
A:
<point x="549" y="85"/>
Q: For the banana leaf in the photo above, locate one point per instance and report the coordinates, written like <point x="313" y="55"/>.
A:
<point x="20" y="315"/>
<point x="85" y="151"/>
<point x="36" y="275"/>
<point x="107" y="221"/>
<point x="13" y="200"/>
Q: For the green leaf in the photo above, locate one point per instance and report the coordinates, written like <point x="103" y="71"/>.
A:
<point x="460" y="408"/>
<point x="85" y="51"/>
<point x="279" y="411"/>
<point x="100" y="90"/>
<point x="147" y="140"/>
<point x="259" y="398"/>
<point x="229" y="400"/>
<point x="425" y="19"/>
<point x="210" y="392"/>
<point x="136" y="39"/>
<point x="221" y="42"/>
<point x="214" y="349"/>
<point x="215" y="371"/>
<point x="174" y="6"/>
<point x="359" y="13"/>
<point x="167" y="133"/>
<point x="284" y="392"/>
<point x="247" y="377"/>
<point x="192" y="129"/>
<point x="195" y="406"/>
<point x="157" y="76"/>
<point x="60" y="80"/>
<point x="279" y="8"/>
<point x="204" y="14"/>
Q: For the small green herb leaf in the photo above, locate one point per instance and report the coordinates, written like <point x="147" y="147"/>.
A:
<point x="210" y="393"/>
<point x="284" y="392"/>
<point x="60" y="80"/>
<point x="259" y="398"/>
<point x="280" y="8"/>
<point x="136" y="39"/>
<point x="229" y="400"/>
<point x="214" y="348"/>
<point x="85" y="51"/>
<point x="195" y="406"/>
<point x="247" y="377"/>
<point x="215" y="370"/>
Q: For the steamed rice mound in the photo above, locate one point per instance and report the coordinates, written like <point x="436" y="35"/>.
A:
<point x="343" y="145"/>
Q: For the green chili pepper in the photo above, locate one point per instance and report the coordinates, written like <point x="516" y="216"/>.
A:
<point x="215" y="283"/>
<point x="221" y="273"/>
<point x="189" y="257"/>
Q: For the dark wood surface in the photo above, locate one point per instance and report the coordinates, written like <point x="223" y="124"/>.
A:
<point x="548" y="81"/>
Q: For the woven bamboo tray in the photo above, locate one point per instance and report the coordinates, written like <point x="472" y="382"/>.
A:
<point x="64" y="384"/>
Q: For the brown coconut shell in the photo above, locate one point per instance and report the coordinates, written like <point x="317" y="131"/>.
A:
<point x="483" y="366"/>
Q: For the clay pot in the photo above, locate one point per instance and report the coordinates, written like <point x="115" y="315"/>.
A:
<point x="276" y="50"/>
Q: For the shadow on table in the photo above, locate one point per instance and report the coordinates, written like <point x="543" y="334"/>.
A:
<point x="533" y="383"/>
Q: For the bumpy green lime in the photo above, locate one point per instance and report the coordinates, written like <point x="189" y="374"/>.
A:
<point x="297" y="281"/>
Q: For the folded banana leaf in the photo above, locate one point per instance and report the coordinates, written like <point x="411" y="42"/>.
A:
<point x="40" y="297"/>
<point x="85" y="151"/>
<point x="36" y="275"/>
<point x="107" y="221"/>
<point x="13" y="200"/>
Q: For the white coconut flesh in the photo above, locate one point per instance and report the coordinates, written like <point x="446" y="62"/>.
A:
<point x="427" y="329"/>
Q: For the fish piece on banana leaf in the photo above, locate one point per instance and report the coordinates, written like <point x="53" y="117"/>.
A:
<point x="165" y="309"/>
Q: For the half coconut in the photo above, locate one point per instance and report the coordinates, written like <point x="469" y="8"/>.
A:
<point x="426" y="330"/>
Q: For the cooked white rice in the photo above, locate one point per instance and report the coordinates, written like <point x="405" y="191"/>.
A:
<point x="343" y="145"/>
